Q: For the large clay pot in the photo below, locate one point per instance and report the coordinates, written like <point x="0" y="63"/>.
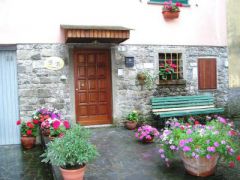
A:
<point x="73" y="174"/>
<point x="28" y="142"/>
<point x="131" y="125"/>
<point x="202" y="166"/>
<point x="170" y="15"/>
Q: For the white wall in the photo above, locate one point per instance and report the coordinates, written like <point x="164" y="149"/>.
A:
<point x="38" y="21"/>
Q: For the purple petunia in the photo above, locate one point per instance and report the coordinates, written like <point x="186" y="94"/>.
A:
<point x="216" y="144"/>
<point x="208" y="156"/>
<point x="211" y="149"/>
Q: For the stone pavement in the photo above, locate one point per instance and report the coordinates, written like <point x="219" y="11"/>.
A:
<point x="122" y="157"/>
<point x="19" y="164"/>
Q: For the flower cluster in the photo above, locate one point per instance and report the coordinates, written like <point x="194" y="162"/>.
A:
<point x="43" y="114"/>
<point x="196" y="140"/>
<point x="58" y="127"/>
<point x="169" y="6"/>
<point x="28" y="128"/>
<point x="167" y="69"/>
<point x="146" y="132"/>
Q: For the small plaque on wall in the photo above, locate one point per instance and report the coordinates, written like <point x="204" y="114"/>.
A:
<point x="54" y="63"/>
<point x="129" y="61"/>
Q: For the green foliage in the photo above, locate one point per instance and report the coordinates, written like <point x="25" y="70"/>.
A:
<point x="133" y="116"/>
<point x="72" y="150"/>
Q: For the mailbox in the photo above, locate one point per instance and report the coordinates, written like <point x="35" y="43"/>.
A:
<point x="129" y="61"/>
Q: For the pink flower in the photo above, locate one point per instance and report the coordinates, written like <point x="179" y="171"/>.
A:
<point x="178" y="4"/>
<point x="231" y="164"/>
<point x="66" y="124"/>
<point x="56" y="124"/>
<point x="186" y="148"/>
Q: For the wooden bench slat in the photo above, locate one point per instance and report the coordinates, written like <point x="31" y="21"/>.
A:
<point x="184" y="108"/>
<point x="182" y="99"/>
<point x="189" y="112"/>
<point x="182" y="103"/>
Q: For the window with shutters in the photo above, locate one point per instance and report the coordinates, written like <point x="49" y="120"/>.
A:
<point x="171" y="68"/>
<point x="184" y="2"/>
<point x="207" y="74"/>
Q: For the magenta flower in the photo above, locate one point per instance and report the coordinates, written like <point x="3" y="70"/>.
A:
<point x="211" y="149"/>
<point x="186" y="148"/>
<point x="189" y="131"/>
<point x="182" y="143"/>
<point x="66" y="124"/>
<point x="172" y="147"/>
<point x="161" y="151"/>
<point x="56" y="124"/>
<point x="222" y="120"/>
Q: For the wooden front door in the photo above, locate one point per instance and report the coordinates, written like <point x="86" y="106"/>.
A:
<point x="93" y="90"/>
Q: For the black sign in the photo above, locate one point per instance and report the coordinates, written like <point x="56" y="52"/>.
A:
<point x="129" y="61"/>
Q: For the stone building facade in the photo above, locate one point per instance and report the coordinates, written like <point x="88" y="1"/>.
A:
<point x="38" y="86"/>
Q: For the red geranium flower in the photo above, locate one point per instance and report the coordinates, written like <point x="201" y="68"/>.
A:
<point x="35" y="121"/>
<point x="182" y="128"/>
<point x="178" y="4"/>
<point x="29" y="132"/>
<point x="196" y="122"/>
<point x="167" y="70"/>
<point x="238" y="157"/>
<point x="30" y="125"/>
<point x="231" y="164"/>
<point x="19" y="122"/>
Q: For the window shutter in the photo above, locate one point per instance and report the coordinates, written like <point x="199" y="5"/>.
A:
<point x="207" y="74"/>
<point x="174" y="1"/>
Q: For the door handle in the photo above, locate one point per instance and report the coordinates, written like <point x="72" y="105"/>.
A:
<point x="76" y="89"/>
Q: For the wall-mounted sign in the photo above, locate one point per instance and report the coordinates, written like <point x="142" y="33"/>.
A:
<point x="54" y="63"/>
<point x="129" y="61"/>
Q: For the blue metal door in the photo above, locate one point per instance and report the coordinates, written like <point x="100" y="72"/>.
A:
<point x="9" y="132"/>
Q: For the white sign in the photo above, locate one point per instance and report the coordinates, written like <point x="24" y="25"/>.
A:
<point x="54" y="63"/>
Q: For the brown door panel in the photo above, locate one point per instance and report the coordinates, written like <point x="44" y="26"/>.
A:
<point x="92" y="71"/>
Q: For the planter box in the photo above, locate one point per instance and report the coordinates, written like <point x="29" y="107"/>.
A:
<point x="170" y="15"/>
<point x="172" y="82"/>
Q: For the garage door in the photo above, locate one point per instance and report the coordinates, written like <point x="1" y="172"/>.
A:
<point x="9" y="132"/>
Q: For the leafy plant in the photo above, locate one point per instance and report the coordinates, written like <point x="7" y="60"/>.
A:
<point x="145" y="78"/>
<point x="167" y="69"/>
<point x="71" y="151"/>
<point x="133" y="116"/>
<point x="28" y="128"/>
<point x="196" y="140"/>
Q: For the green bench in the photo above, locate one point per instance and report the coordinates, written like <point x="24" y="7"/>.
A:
<point x="175" y="106"/>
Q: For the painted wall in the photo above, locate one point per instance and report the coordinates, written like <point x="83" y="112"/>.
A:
<point x="234" y="42"/>
<point x="233" y="27"/>
<point x="38" y="21"/>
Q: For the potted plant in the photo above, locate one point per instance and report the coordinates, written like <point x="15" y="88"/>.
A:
<point x="167" y="70"/>
<point x="71" y="153"/>
<point x="29" y="131"/>
<point x="171" y="10"/>
<point x="146" y="133"/>
<point x="132" y="120"/>
<point x="145" y="78"/>
<point x="200" y="146"/>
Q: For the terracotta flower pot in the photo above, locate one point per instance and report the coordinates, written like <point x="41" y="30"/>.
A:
<point x="131" y="125"/>
<point x="28" y="142"/>
<point x="73" y="174"/>
<point x="170" y="15"/>
<point x="202" y="166"/>
<point x="141" y="78"/>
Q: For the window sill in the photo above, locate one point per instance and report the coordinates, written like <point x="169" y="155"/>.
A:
<point x="160" y="3"/>
<point x="172" y="82"/>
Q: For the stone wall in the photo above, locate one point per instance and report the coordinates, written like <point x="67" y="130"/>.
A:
<point x="39" y="86"/>
<point x="129" y="95"/>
